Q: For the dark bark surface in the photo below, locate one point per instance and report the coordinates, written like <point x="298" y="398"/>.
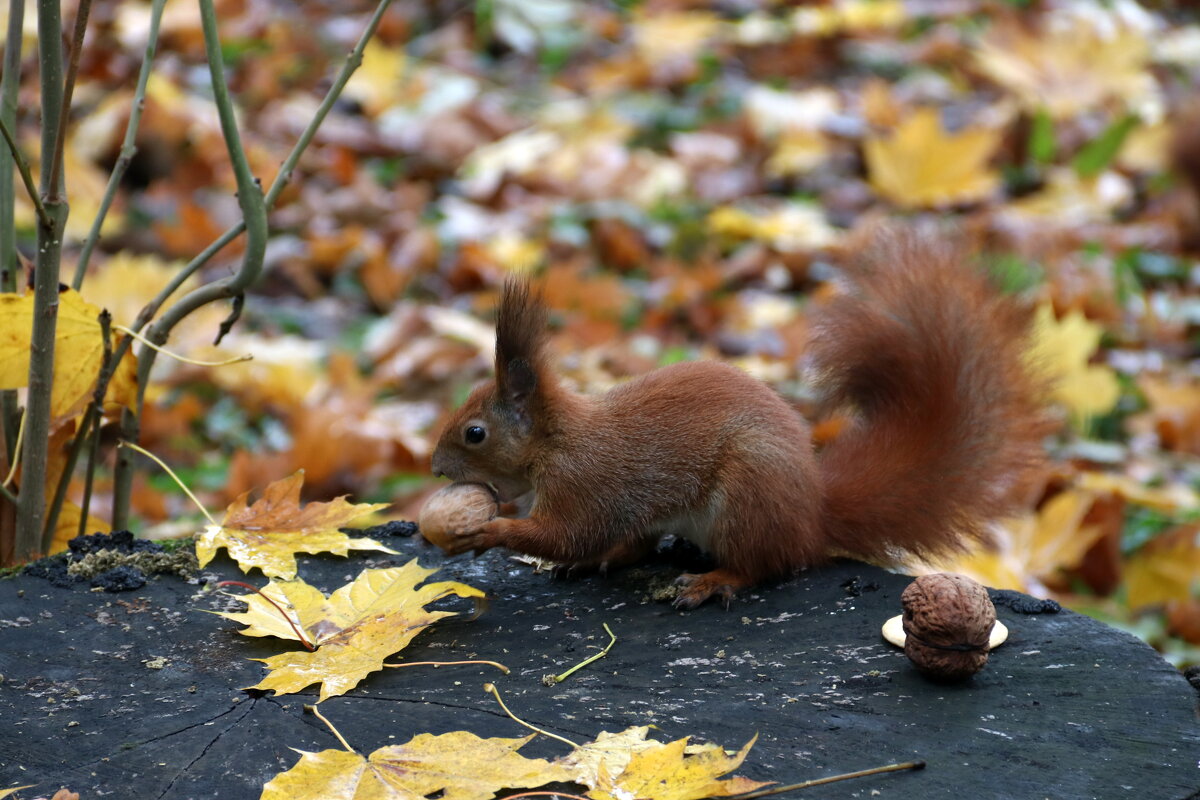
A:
<point x="1067" y="708"/>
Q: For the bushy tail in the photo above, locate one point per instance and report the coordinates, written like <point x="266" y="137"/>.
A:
<point x="947" y="422"/>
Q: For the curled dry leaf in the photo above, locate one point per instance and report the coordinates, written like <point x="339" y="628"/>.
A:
<point x="269" y="533"/>
<point x="354" y="629"/>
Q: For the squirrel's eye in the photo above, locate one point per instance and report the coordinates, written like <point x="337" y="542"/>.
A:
<point x="475" y="434"/>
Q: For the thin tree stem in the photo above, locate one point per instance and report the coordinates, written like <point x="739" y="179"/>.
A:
<point x="128" y="146"/>
<point x="10" y="84"/>
<point x="89" y="475"/>
<point x="64" y="111"/>
<point x="31" y="506"/>
<point x="93" y="417"/>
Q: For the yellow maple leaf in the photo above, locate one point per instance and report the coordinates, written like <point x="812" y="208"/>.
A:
<point x="1165" y="569"/>
<point x="1062" y="349"/>
<point x="78" y="352"/>
<point x="269" y="533"/>
<point x="921" y="165"/>
<point x="456" y="766"/>
<point x="675" y="771"/>
<point x="354" y="629"/>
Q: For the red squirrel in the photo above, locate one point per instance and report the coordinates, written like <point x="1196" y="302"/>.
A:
<point x="925" y="355"/>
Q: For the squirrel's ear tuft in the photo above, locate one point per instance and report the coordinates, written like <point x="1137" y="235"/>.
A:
<point x="520" y="342"/>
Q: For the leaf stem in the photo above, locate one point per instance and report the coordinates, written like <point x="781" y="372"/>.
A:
<point x="862" y="773"/>
<point x="170" y="472"/>
<point x="177" y="357"/>
<point x="490" y="687"/>
<point x="553" y="679"/>
<point x="313" y="710"/>
<point x="12" y="473"/>
<point x="299" y="633"/>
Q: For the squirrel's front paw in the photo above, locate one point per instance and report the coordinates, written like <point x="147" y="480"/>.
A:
<point x="489" y="535"/>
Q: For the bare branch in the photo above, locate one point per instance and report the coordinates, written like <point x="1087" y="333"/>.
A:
<point x="128" y="148"/>
<point x="26" y="175"/>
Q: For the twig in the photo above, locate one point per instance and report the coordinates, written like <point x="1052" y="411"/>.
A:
<point x="353" y="61"/>
<point x="862" y="773"/>
<point x="550" y="680"/>
<point x="313" y="710"/>
<point x="64" y="112"/>
<point x="435" y="664"/>
<point x="299" y="633"/>
<point x="128" y="146"/>
<point x="7" y="495"/>
<point x="489" y="687"/>
<point x="89" y="474"/>
<point x="26" y="175"/>
<point x="175" y="477"/>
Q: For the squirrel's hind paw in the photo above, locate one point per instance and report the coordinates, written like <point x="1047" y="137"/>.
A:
<point x="695" y="589"/>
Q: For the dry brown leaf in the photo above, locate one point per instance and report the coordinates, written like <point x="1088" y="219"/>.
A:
<point x="454" y="766"/>
<point x="354" y="629"/>
<point x="269" y="533"/>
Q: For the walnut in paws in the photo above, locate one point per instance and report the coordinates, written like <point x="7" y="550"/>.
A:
<point x="456" y="509"/>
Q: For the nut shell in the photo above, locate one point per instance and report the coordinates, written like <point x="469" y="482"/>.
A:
<point x="454" y="510"/>
<point x="947" y="621"/>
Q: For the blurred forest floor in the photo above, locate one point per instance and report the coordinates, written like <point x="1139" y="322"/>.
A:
<point x="683" y="177"/>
